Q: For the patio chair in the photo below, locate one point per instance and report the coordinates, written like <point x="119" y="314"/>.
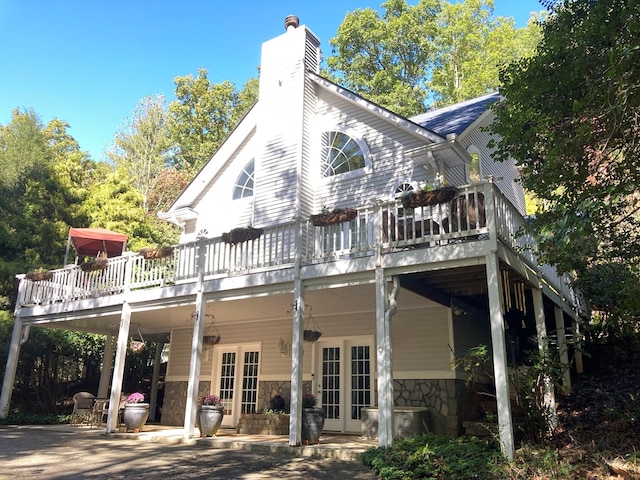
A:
<point x="82" y="408"/>
<point x="100" y="411"/>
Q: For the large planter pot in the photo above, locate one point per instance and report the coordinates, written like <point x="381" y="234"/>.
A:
<point x="210" y="419"/>
<point x="312" y="425"/>
<point x="135" y="415"/>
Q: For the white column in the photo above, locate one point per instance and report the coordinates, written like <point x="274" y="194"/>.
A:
<point x="193" y="386"/>
<point x="297" y="353"/>
<point x="10" y="368"/>
<point x="107" y="363"/>
<point x="543" y="347"/>
<point x="118" y="369"/>
<point x="505" y="422"/>
<point x="383" y="358"/>
<point x="562" y="348"/>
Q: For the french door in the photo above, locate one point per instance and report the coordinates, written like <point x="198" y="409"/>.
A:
<point x="235" y="380"/>
<point x="344" y="381"/>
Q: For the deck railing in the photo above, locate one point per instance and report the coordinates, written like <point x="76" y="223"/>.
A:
<point x="384" y="227"/>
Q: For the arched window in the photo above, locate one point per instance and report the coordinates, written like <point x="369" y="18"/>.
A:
<point x="244" y="184"/>
<point x="341" y="153"/>
<point x="400" y="191"/>
<point x="403" y="189"/>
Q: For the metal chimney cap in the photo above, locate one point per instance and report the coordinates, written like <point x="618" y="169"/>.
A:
<point x="291" y="21"/>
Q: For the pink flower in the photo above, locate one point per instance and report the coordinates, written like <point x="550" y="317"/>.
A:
<point x="136" y="397"/>
<point x="211" y="400"/>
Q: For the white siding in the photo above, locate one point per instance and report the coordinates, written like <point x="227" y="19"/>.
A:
<point x="388" y="146"/>
<point x="284" y="105"/>
<point x="476" y="135"/>
<point x="217" y="211"/>
<point x="421" y="340"/>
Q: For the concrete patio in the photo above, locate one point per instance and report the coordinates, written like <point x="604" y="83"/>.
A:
<point x="332" y="445"/>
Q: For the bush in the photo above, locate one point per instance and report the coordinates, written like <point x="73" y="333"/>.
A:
<point x="34" y="419"/>
<point x="437" y="457"/>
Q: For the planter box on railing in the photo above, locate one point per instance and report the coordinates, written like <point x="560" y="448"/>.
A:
<point x="431" y="197"/>
<point x="339" y="215"/>
<point x="153" y="253"/>
<point x="37" y="276"/>
<point x="239" y="235"/>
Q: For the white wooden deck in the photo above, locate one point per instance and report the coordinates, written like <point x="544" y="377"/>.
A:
<point x="382" y="229"/>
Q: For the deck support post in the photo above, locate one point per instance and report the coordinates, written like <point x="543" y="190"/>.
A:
<point x="549" y="400"/>
<point x="118" y="368"/>
<point x="505" y="422"/>
<point x="295" y="419"/>
<point x="563" y="350"/>
<point x="10" y="368"/>
<point x="385" y="308"/>
<point x="193" y="387"/>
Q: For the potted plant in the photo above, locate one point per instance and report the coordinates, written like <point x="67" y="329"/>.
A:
<point x="312" y="419"/>
<point x="211" y="414"/>
<point x="136" y="412"/>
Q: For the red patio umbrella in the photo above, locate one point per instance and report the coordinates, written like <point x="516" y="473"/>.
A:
<point x="90" y="242"/>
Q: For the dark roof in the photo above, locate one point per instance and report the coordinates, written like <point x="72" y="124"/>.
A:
<point x="455" y="118"/>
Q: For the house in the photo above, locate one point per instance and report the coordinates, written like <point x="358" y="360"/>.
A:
<point x="395" y="284"/>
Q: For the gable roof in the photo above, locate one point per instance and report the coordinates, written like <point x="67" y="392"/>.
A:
<point x="407" y="124"/>
<point x="455" y="118"/>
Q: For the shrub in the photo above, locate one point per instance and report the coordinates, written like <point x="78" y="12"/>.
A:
<point x="435" y="456"/>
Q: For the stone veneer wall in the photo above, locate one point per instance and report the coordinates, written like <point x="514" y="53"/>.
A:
<point x="268" y="390"/>
<point x="443" y="398"/>
<point x="175" y="401"/>
<point x="175" y="398"/>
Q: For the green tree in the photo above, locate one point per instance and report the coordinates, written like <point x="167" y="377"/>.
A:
<point x="142" y="147"/>
<point x="203" y="115"/>
<point x="38" y="198"/>
<point x="432" y="53"/>
<point x="472" y="46"/>
<point x="569" y="118"/>
<point x="115" y="205"/>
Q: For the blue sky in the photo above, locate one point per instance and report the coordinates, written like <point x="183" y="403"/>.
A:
<point x="89" y="63"/>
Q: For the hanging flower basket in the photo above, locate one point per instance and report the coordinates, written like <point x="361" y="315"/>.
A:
<point x="38" y="275"/>
<point x="339" y="215"/>
<point x="94" y="265"/>
<point x="136" y="346"/>
<point x="311" y="335"/>
<point x="158" y="252"/>
<point x="211" y="339"/>
<point x="311" y="331"/>
<point x="239" y="235"/>
<point x="430" y="197"/>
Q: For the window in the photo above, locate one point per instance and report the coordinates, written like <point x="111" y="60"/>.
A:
<point x="244" y="184"/>
<point x="402" y="189"/>
<point x="341" y="153"/>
